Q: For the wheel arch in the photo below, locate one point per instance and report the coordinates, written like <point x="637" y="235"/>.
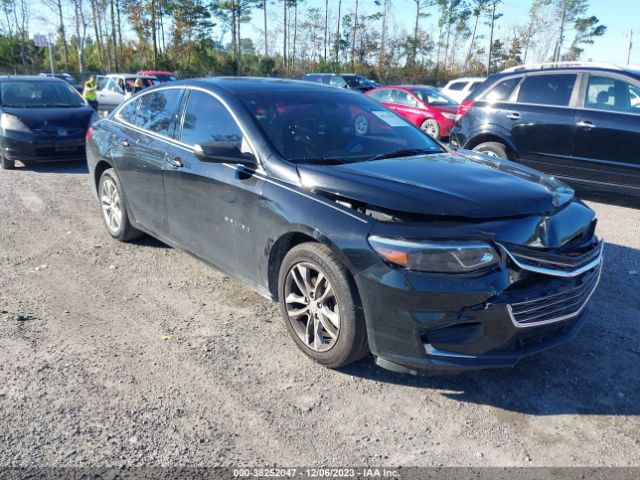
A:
<point x="100" y="168"/>
<point x="492" y="137"/>
<point x="290" y="239"/>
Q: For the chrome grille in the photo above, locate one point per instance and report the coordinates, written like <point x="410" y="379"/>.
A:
<point x="558" y="306"/>
<point x="567" y="264"/>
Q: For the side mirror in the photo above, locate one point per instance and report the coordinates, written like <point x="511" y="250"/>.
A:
<point x="222" y="152"/>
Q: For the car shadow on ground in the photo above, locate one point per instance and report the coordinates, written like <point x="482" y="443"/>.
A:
<point x="57" y="167"/>
<point x="150" y="242"/>
<point x="596" y="373"/>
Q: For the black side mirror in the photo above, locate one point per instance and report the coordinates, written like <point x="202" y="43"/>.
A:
<point x="222" y="152"/>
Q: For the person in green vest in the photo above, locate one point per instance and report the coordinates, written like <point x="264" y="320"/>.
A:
<point x="90" y="89"/>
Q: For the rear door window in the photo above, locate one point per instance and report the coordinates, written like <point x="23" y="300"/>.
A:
<point x="157" y="111"/>
<point x="554" y="90"/>
<point x="503" y="90"/>
<point x="401" y="97"/>
<point x="607" y="93"/>
<point x="381" y="95"/>
<point x="128" y="112"/>
<point x="326" y="79"/>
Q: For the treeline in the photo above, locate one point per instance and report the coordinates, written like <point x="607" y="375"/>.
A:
<point x="197" y="37"/>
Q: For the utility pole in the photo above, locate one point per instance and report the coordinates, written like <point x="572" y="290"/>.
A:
<point x="630" y="47"/>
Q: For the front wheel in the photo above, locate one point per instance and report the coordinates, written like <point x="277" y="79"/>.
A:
<point x="7" y="164"/>
<point x="114" y="211"/>
<point x="493" y="149"/>
<point x="431" y="128"/>
<point x="320" y="306"/>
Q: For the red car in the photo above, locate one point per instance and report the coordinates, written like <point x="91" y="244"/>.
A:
<point x="423" y="106"/>
<point x="161" y="75"/>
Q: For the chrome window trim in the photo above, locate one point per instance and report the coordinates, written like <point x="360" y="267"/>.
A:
<point x="563" y="317"/>
<point x="260" y="172"/>
<point x="175" y="141"/>
<point x="556" y="272"/>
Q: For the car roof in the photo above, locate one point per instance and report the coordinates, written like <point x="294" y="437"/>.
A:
<point x="130" y="75"/>
<point x="35" y="78"/>
<point x="241" y="85"/>
<point x="468" y="79"/>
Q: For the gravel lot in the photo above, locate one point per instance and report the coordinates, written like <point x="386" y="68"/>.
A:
<point x="114" y="354"/>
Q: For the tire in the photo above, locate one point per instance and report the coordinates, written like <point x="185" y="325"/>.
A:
<point x="431" y="128"/>
<point x="113" y="207"/>
<point x="7" y="164"/>
<point x="338" y="346"/>
<point x="493" y="149"/>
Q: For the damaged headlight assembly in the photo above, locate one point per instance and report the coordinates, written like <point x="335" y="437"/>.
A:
<point x="436" y="256"/>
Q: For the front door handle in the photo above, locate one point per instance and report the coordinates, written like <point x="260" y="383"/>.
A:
<point x="585" y="124"/>
<point x="175" y="162"/>
<point x="124" y="142"/>
<point x="513" y="116"/>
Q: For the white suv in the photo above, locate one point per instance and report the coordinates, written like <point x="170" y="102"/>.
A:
<point x="459" y="88"/>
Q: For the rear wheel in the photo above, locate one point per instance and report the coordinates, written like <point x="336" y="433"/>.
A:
<point x="493" y="149"/>
<point x="431" y="128"/>
<point x="114" y="211"/>
<point x="320" y="306"/>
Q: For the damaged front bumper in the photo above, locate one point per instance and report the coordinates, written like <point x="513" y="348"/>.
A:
<point x="447" y="323"/>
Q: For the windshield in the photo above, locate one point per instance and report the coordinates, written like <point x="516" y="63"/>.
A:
<point x="333" y="127"/>
<point x="355" y="81"/>
<point x="38" y="94"/>
<point x="431" y="96"/>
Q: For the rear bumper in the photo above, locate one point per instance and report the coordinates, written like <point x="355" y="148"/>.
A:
<point x="31" y="148"/>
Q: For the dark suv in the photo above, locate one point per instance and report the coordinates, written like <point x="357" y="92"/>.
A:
<point x="579" y="122"/>
<point x="351" y="81"/>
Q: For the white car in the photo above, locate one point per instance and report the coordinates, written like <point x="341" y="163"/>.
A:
<point x="459" y="88"/>
<point x="117" y="88"/>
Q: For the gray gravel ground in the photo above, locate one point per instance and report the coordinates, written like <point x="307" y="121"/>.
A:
<point x="137" y="354"/>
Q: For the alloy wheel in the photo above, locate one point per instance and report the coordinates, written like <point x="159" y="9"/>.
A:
<point x="312" y="306"/>
<point x="489" y="153"/>
<point x="431" y="129"/>
<point x="111" y="206"/>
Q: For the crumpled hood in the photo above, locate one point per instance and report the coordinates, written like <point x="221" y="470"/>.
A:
<point x="460" y="184"/>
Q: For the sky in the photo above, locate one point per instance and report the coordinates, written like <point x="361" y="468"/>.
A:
<point x="620" y="16"/>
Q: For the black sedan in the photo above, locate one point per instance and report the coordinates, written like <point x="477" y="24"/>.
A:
<point x="372" y="236"/>
<point x="42" y="119"/>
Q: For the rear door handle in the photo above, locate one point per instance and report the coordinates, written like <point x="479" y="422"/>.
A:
<point x="124" y="142"/>
<point x="585" y="124"/>
<point x="513" y="116"/>
<point x="175" y="161"/>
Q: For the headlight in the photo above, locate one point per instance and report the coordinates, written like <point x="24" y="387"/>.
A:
<point x="433" y="256"/>
<point x="450" y="116"/>
<point x="13" y="123"/>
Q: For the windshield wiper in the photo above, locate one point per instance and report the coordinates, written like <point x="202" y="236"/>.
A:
<point x="319" y="161"/>
<point x="406" y="152"/>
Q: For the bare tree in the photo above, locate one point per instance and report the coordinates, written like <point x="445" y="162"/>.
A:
<point x="81" y="26"/>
